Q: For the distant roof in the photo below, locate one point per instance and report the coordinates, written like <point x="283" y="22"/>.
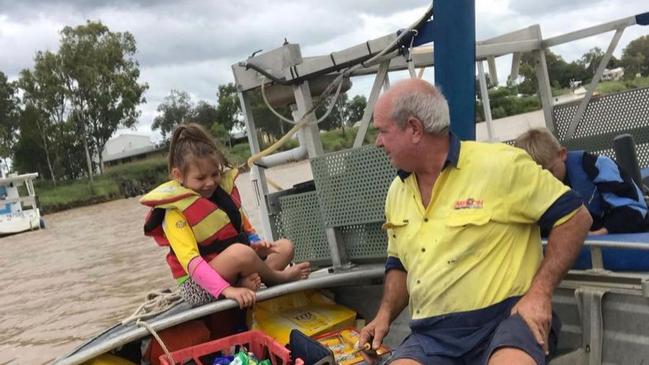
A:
<point x="130" y="153"/>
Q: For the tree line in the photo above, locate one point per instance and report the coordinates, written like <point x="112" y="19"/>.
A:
<point x="60" y="113"/>
<point x="227" y="116"/>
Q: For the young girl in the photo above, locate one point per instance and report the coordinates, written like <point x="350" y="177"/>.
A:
<point x="214" y="249"/>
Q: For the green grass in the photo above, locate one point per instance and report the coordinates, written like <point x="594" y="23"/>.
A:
<point x="78" y="193"/>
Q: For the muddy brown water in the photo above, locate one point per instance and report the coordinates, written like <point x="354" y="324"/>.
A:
<point x="89" y="269"/>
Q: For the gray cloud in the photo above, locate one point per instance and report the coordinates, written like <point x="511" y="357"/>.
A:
<point x="190" y="45"/>
<point x="535" y="7"/>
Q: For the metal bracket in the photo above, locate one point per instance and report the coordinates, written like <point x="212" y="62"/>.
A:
<point x="589" y="301"/>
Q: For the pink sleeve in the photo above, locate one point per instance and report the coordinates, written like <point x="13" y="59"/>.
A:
<point x="205" y="276"/>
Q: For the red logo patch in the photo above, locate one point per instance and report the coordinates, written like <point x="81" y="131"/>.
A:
<point x="469" y="203"/>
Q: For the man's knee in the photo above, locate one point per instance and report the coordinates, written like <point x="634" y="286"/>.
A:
<point x="405" y="362"/>
<point x="511" y="355"/>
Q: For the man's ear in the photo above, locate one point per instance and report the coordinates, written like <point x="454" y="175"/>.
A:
<point x="417" y="128"/>
<point x="176" y="174"/>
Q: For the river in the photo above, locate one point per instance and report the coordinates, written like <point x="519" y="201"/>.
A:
<point x="90" y="268"/>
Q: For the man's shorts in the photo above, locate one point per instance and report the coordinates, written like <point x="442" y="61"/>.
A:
<point x="512" y="332"/>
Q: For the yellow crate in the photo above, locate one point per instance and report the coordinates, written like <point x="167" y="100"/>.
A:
<point x="309" y="311"/>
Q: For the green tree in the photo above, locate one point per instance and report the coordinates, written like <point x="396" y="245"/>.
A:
<point x="175" y="109"/>
<point x="221" y="134"/>
<point x="100" y="75"/>
<point x="44" y="96"/>
<point x="635" y="57"/>
<point x="356" y="108"/>
<point x="204" y="113"/>
<point x="228" y="111"/>
<point x="337" y="118"/>
<point x="559" y="71"/>
<point x="8" y="116"/>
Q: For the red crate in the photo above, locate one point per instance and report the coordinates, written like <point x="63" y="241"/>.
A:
<point x="263" y="346"/>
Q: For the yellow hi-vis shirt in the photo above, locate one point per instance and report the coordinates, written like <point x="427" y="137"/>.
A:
<point x="478" y="241"/>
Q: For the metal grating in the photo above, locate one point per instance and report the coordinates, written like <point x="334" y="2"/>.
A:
<point x="606" y="117"/>
<point x="352" y="185"/>
<point x="367" y="242"/>
<point x="301" y="222"/>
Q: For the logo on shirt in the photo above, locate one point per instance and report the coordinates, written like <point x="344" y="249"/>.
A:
<point x="469" y="203"/>
<point x="181" y="224"/>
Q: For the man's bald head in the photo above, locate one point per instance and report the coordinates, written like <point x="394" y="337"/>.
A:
<point x="416" y="98"/>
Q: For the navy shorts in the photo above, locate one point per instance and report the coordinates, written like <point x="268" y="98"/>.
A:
<point x="511" y="332"/>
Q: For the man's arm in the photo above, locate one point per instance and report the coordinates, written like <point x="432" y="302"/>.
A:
<point x="564" y="244"/>
<point x="395" y="298"/>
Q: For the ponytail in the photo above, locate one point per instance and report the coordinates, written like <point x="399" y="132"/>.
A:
<point x="193" y="141"/>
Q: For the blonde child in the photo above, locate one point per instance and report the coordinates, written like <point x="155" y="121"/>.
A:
<point x="614" y="201"/>
<point x="214" y="250"/>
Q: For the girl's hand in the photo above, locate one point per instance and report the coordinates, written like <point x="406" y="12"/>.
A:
<point x="263" y="248"/>
<point x="244" y="296"/>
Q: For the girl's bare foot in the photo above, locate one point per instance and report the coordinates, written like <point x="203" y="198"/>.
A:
<point x="252" y="281"/>
<point x="297" y="271"/>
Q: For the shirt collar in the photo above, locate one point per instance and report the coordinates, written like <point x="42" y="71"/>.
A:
<point x="452" y="157"/>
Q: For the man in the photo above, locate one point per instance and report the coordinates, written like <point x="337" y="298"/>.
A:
<point x="464" y="250"/>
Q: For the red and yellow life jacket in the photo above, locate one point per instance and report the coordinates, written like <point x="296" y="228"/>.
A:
<point x="209" y="222"/>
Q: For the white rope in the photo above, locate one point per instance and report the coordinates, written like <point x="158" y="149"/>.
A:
<point x="157" y="338"/>
<point x="323" y="97"/>
<point x="157" y="302"/>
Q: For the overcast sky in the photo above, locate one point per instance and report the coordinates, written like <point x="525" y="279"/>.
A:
<point x="190" y="45"/>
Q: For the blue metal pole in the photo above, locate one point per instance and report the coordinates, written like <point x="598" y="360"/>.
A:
<point x="454" y="58"/>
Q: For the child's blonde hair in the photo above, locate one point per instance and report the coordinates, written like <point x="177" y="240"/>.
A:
<point x="189" y="141"/>
<point x="540" y="144"/>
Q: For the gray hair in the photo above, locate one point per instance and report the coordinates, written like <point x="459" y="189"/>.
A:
<point x="430" y="108"/>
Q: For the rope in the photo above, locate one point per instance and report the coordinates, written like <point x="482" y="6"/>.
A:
<point x="157" y="338"/>
<point x="156" y="302"/>
<point x="303" y="121"/>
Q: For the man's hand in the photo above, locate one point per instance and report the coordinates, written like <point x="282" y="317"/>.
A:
<point x="244" y="296"/>
<point x="375" y="331"/>
<point x="536" y="310"/>
<point x="263" y="248"/>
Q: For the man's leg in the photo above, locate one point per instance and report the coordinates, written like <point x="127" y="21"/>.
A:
<point x="511" y="355"/>
<point x="405" y="362"/>
<point x="411" y="352"/>
<point x="514" y="343"/>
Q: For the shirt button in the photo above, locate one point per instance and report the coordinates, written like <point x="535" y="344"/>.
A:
<point x="425" y="219"/>
<point x="394" y="236"/>
<point x="417" y="311"/>
<point x="418" y="281"/>
<point x="423" y="249"/>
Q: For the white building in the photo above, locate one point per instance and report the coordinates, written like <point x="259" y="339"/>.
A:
<point x="127" y="147"/>
<point x="613" y="74"/>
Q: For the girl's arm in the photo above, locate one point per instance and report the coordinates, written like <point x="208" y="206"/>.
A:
<point x="185" y="247"/>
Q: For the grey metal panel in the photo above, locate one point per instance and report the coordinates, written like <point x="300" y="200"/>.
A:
<point x="275" y="61"/>
<point x="301" y="222"/>
<point x="365" y="242"/>
<point x="626" y="329"/>
<point x="352" y="185"/>
<point x="604" y="118"/>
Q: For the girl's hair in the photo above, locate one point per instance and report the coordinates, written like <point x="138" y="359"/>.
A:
<point x="541" y="145"/>
<point x="191" y="141"/>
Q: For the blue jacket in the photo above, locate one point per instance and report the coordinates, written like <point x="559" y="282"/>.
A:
<point x="612" y="198"/>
